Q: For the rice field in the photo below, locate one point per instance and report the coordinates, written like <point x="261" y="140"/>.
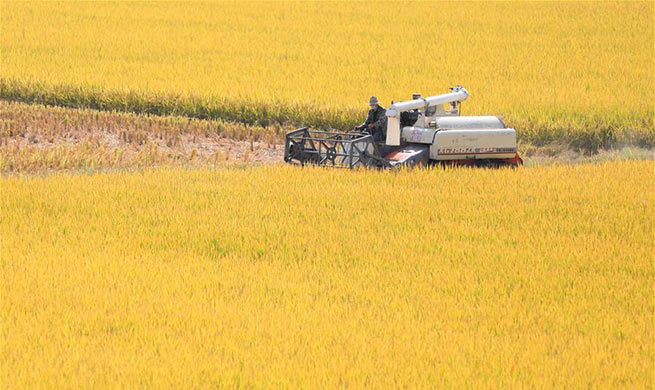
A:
<point x="574" y="72"/>
<point x="151" y="238"/>
<point x="278" y="277"/>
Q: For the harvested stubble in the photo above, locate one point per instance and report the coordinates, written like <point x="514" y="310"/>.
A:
<point x="35" y="138"/>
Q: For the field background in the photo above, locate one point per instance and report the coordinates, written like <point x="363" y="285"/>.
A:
<point x="579" y="73"/>
<point x="305" y="278"/>
<point x="142" y="244"/>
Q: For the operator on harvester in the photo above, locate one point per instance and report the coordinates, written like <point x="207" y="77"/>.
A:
<point x="376" y="121"/>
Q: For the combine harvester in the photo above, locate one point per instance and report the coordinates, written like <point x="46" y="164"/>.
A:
<point x="420" y="131"/>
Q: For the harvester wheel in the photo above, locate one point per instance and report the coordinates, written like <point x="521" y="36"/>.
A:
<point x="295" y="151"/>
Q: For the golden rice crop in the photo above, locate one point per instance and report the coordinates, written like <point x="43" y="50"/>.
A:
<point x="305" y="278"/>
<point x="575" y="72"/>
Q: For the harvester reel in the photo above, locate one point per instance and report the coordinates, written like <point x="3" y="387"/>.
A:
<point x="329" y="148"/>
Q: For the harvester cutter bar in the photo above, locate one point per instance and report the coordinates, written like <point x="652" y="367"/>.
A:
<point x="332" y="148"/>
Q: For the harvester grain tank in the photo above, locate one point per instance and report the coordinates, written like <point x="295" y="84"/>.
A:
<point x="419" y="131"/>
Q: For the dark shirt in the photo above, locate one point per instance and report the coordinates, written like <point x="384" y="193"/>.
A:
<point x="377" y="117"/>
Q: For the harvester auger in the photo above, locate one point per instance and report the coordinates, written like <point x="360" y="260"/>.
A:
<point x="420" y="131"/>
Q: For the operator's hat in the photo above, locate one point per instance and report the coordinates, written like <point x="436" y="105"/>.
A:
<point x="373" y="100"/>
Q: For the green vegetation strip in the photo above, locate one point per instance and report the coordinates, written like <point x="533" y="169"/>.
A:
<point x="589" y="133"/>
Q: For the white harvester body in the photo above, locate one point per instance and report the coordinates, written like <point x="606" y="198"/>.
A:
<point x="450" y="136"/>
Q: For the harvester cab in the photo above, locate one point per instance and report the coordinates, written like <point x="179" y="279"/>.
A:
<point x="420" y="131"/>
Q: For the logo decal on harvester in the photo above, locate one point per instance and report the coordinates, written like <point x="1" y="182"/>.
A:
<point x="465" y="150"/>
